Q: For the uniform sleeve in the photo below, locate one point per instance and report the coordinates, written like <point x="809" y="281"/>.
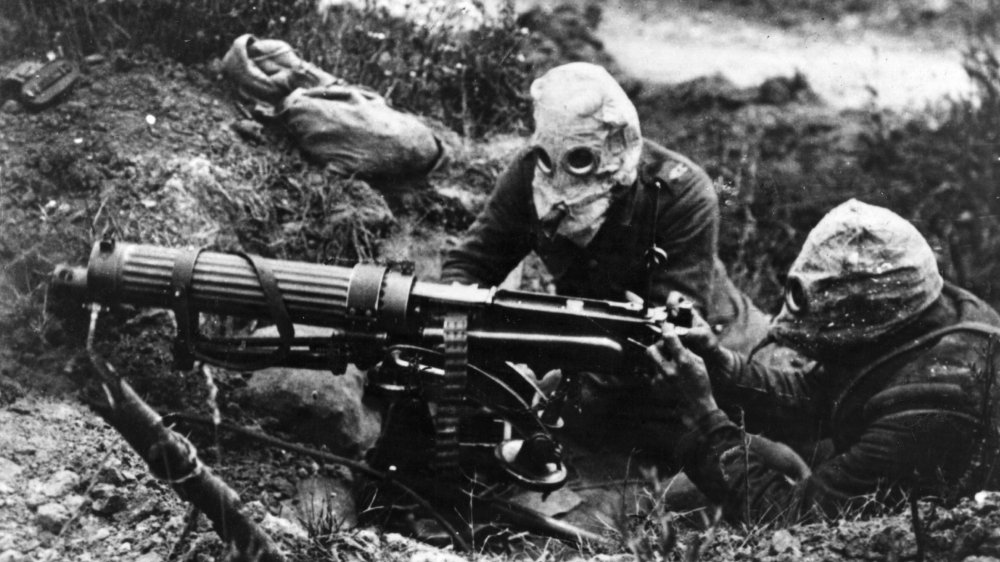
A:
<point x="789" y="388"/>
<point x="500" y="237"/>
<point x="687" y="228"/>
<point x="890" y="454"/>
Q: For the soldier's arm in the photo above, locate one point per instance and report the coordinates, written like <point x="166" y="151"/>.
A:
<point x="914" y="436"/>
<point x="740" y="380"/>
<point x="501" y="235"/>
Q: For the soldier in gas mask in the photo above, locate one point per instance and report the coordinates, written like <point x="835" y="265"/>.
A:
<point x="608" y="212"/>
<point x="903" y="396"/>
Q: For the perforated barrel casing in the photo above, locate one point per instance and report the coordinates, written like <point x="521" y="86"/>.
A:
<point x="222" y="283"/>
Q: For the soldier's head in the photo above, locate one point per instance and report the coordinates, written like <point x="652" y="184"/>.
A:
<point x="863" y="273"/>
<point x="586" y="141"/>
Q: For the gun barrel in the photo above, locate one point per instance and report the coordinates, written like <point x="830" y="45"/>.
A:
<point x="320" y="295"/>
<point x="531" y="327"/>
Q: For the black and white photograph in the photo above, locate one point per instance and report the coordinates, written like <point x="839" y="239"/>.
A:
<point x="499" y="280"/>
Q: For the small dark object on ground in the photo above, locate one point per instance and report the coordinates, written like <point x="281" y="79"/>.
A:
<point x="48" y="83"/>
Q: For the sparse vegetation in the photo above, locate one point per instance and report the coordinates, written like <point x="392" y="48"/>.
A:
<point x="473" y="80"/>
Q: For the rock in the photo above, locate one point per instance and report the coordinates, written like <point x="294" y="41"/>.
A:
<point x="280" y="527"/>
<point x="109" y="504"/>
<point x="366" y="539"/>
<point x="12" y="106"/>
<point x="248" y="129"/>
<point x="9" y="470"/>
<point x="12" y="556"/>
<point x="102" y="490"/>
<point x="783" y="542"/>
<point x="47" y="555"/>
<point x="52" y="516"/>
<point x="397" y="541"/>
<point x="149" y="557"/>
<point x="73" y="502"/>
<point x="111" y="475"/>
<point x="316" y="406"/>
<point x="418" y="551"/>
<point x="326" y="504"/>
<point x="60" y="483"/>
<point x="59" y="412"/>
<point x="551" y="504"/>
<point x="986" y="501"/>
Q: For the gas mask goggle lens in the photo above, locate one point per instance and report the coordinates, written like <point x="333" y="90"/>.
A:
<point x="796" y="299"/>
<point x="580" y="161"/>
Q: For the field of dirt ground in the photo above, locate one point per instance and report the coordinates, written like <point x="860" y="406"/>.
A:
<point x="157" y="151"/>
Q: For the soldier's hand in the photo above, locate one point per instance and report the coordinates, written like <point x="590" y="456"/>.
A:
<point x="675" y="363"/>
<point x="699" y="337"/>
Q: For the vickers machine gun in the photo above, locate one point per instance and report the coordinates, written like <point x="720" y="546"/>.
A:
<point x="451" y="350"/>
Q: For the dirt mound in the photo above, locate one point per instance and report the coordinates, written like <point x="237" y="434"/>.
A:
<point x="716" y="92"/>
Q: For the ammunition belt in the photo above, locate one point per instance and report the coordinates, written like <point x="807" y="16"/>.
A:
<point x="449" y="394"/>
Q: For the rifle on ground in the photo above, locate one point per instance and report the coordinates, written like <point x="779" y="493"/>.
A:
<point x="447" y="352"/>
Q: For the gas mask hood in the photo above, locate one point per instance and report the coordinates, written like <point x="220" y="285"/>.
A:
<point x="863" y="272"/>
<point x="586" y="141"/>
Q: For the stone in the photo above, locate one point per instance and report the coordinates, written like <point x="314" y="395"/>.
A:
<point x="73" y="502"/>
<point x="315" y="406"/>
<point x="60" y="483"/>
<point x="12" y="107"/>
<point x="280" y="527"/>
<point x="12" y="556"/>
<point x="248" y="129"/>
<point x="149" y="557"/>
<point x="549" y="504"/>
<point x="47" y="555"/>
<point x="99" y="491"/>
<point x="783" y="542"/>
<point x="111" y="475"/>
<point x="52" y="516"/>
<point x="9" y="470"/>
<point x="110" y="505"/>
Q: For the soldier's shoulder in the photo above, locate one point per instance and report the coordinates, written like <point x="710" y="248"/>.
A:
<point x="671" y="166"/>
